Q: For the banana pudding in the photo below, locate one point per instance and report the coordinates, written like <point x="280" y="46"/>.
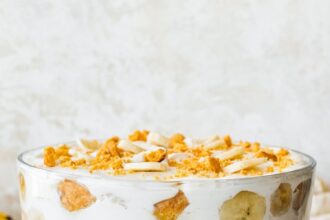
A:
<point x="151" y="176"/>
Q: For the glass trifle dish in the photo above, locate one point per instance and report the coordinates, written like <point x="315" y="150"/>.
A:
<point x="151" y="176"/>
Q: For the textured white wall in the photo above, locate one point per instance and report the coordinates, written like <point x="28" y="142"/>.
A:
<point x="256" y="69"/>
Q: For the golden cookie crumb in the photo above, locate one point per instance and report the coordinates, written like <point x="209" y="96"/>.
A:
<point x="178" y="147"/>
<point x="268" y="153"/>
<point x="49" y="157"/>
<point x="200" y="159"/>
<point x="155" y="156"/>
<point x="251" y="172"/>
<point x="254" y="147"/>
<point x="176" y="139"/>
<point x="62" y="151"/>
<point x="138" y="135"/>
<point x="213" y="164"/>
<point x="74" y="196"/>
<point x="270" y="169"/>
<point x="283" y="152"/>
<point x="228" y="141"/>
<point x="170" y="209"/>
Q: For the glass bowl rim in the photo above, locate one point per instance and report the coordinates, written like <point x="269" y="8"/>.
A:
<point x="309" y="166"/>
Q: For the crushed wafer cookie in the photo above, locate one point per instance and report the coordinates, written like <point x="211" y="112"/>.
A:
<point x="50" y="157"/>
<point x="176" y="139"/>
<point x="268" y="153"/>
<point x="155" y="156"/>
<point x="227" y="140"/>
<point x="213" y="157"/>
<point x="74" y="196"/>
<point x="138" y="135"/>
<point x="171" y="209"/>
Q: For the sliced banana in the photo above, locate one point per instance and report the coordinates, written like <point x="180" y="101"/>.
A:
<point x="89" y="144"/>
<point x="155" y="155"/>
<point x="138" y="157"/>
<point x="245" y="205"/>
<point x="301" y="194"/>
<point x="211" y="139"/>
<point x="145" y="166"/>
<point x="321" y="204"/>
<point x="212" y="142"/>
<point x="216" y="141"/>
<point x="281" y="199"/>
<point x="320" y="186"/>
<point x="193" y="142"/>
<point x="240" y="165"/>
<point x="129" y="146"/>
<point x="229" y="154"/>
<point x="146" y="146"/>
<point x="77" y="153"/>
<point x="157" y="139"/>
<point x="179" y="156"/>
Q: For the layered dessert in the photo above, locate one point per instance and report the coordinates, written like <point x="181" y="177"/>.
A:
<point x="148" y="175"/>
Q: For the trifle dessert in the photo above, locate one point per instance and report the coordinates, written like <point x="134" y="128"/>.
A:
<point x="147" y="175"/>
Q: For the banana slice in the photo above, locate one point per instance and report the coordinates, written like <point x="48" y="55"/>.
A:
<point x="145" y="166"/>
<point x="138" y="157"/>
<point x="129" y="146"/>
<point x="320" y="186"/>
<point x="240" y="165"/>
<point x="157" y="139"/>
<point x="281" y="199"/>
<point x="321" y="204"/>
<point x="245" y="205"/>
<point x="146" y="146"/>
<point x="179" y="156"/>
<point x="155" y="155"/>
<point x="212" y="142"/>
<point x="211" y="139"/>
<point x="225" y="155"/>
<point x="300" y="195"/>
<point x="216" y="141"/>
<point x="89" y="144"/>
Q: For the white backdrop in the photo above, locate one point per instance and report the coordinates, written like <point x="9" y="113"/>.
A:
<point x="256" y="69"/>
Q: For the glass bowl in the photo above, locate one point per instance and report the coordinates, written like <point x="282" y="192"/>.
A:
<point x="53" y="194"/>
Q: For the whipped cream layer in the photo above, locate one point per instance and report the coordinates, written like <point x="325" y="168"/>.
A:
<point x="149" y="154"/>
<point x="35" y="159"/>
<point x="188" y="178"/>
